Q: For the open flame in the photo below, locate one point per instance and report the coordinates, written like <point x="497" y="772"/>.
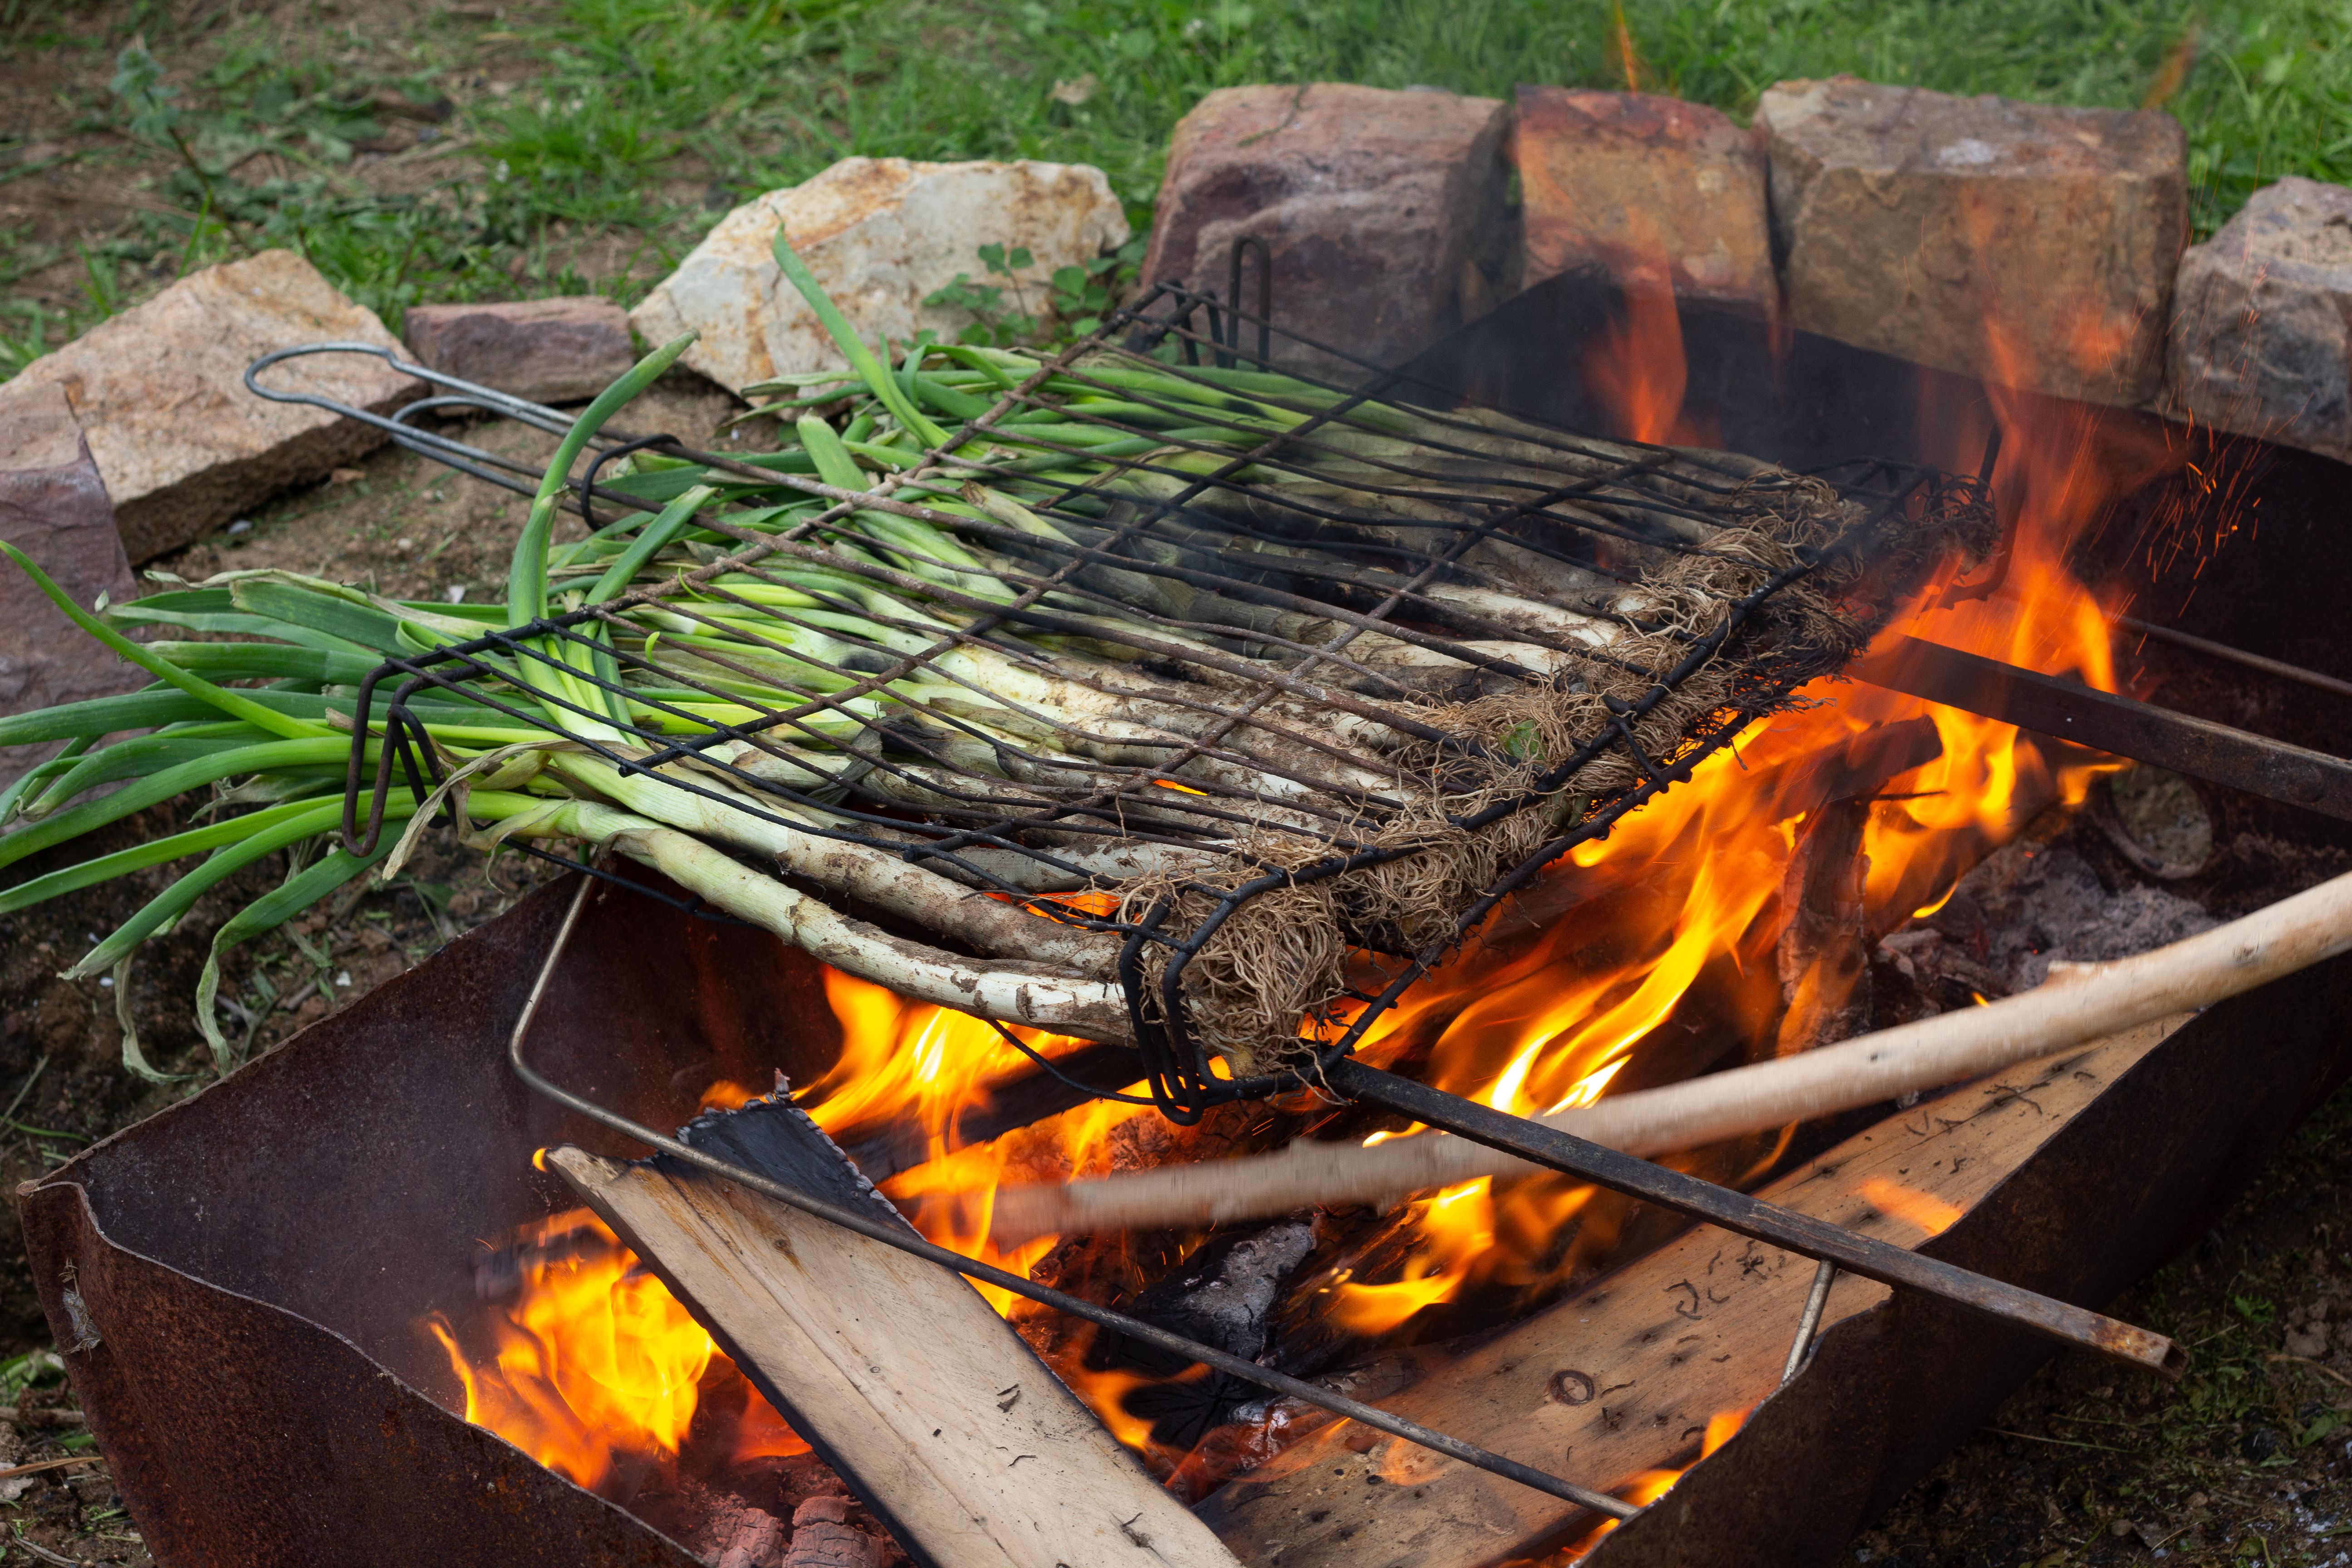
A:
<point x="595" y="1364"/>
<point x="1657" y="961"/>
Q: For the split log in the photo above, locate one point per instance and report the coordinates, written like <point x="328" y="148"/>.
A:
<point x="1624" y="1378"/>
<point x="1823" y="954"/>
<point x="2078" y="1003"/>
<point x="896" y="1371"/>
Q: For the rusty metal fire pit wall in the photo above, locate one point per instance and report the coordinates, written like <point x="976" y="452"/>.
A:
<point x="236" y="1282"/>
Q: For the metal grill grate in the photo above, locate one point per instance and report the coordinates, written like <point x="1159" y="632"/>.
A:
<point x="1330" y="664"/>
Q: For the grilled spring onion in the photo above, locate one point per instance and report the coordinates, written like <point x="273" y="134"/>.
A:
<point x="1057" y="707"/>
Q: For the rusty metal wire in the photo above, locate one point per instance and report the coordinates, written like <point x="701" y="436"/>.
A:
<point x="1266" y="604"/>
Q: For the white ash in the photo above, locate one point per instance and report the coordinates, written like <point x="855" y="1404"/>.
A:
<point x="2029" y="902"/>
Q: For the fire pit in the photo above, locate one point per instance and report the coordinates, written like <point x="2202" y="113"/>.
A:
<point x="245" y="1285"/>
<point x="336" y="1250"/>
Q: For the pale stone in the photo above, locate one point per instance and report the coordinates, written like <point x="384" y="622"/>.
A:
<point x="1647" y="188"/>
<point x="2023" y="244"/>
<point x="160" y="392"/>
<point x="544" y="351"/>
<point x="53" y="508"/>
<point x="2262" y="321"/>
<point x="881" y="236"/>
<point x="1385" y="214"/>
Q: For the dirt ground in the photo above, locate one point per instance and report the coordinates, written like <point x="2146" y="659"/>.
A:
<point x="375" y="124"/>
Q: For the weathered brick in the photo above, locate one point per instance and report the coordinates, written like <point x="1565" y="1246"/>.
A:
<point x="1647" y="187"/>
<point x="1384" y="212"/>
<point x="2029" y="245"/>
<point x="548" y="350"/>
<point x="2262" y="321"/>
<point x="160" y="394"/>
<point x="53" y="508"/>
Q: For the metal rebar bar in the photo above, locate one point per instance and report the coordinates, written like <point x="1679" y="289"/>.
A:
<point x="1809" y="1321"/>
<point x="1745" y="1215"/>
<point x="2279" y="667"/>
<point x="2105" y="721"/>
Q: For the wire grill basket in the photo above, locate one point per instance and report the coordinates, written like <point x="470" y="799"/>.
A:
<point x="1216" y="681"/>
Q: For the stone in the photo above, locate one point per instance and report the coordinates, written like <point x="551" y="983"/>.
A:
<point x="2023" y="244"/>
<point x="160" y="392"/>
<point x="1386" y="214"/>
<point x="2262" y="321"/>
<point x="882" y="236"/>
<point x="53" y="507"/>
<point x="545" y="351"/>
<point x="1648" y="188"/>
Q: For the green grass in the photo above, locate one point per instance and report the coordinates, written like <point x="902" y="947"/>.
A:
<point x="763" y="98"/>
<point x="647" y="118"/>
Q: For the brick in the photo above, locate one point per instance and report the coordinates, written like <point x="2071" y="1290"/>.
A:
<point x="53" y="507"/>
<point x="160" y="394"/>
<point x="1385" y="213"/>
<point x="1647" y="188"/>
<point x="2024" y="244"/>
<point x="546" y="350"/>
<point x="2262" y="321"/>
<point x="881" y="234"/>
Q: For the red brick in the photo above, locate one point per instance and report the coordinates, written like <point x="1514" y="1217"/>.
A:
<point x="1645" y="187"/>
<point x="547" y="351"/>
<point x="1384" y="212"/>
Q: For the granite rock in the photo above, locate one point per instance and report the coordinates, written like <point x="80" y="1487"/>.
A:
<point x="1648" y="188"/>
<point x="1386" y="214"/>
<point x="2025" y="244"/>
<point x="2262" y="321"/>
<point x="53" y="507"/>
<point x="547" y="351"/>
<point x="881" y="234"/>
<point x="160" y="394"/>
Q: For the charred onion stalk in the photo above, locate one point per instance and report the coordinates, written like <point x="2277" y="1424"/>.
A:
<point x="906" y="622"/>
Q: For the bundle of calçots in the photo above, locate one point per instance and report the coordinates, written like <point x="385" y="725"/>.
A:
<point x="1081" y="691"/>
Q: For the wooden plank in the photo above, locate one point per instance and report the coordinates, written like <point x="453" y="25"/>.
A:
<point x="1624" y="1377"/>
<point x="895" y="1369"/>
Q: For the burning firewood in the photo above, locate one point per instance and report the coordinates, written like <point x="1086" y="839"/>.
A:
<point x="2078" y="1002"/>
<point x="1823" y="954"/>
<point x="897" y="1372"/>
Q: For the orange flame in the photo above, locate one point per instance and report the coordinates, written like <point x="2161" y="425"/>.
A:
<point x="596" y="1361"/>
<point x="1647" y="1487"/>
<point x="1922" y="1212"/>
